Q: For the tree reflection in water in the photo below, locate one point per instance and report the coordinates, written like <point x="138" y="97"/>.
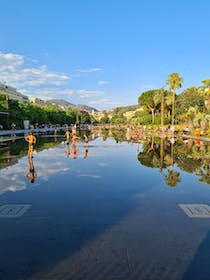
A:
<point x="190" y="156"/>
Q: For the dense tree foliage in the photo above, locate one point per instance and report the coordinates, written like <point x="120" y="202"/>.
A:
<point x="150" y="101"/>
<point x="190" y="98"/>
<point x="18" y="112"/>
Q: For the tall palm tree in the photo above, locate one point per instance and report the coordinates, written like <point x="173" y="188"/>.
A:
<point x="174" y="81"/>
<point x="162" y="108"/>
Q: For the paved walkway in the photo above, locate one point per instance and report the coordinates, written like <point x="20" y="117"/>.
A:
<point x="9" y="135"/>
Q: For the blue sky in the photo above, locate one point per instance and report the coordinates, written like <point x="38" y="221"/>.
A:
<point x="103" y="53"/>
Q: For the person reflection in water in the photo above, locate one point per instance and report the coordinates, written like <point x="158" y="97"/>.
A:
<point x="67" y="149"/>
<point x="86" y="152"/>
<point x="74" y="151"/>
<point x="31" y="175"/>
<point x="85" y="146"/>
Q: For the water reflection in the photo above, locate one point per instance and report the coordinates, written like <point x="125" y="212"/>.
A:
<point x="68" y="149"/>
<point x="31" y="175"/>
<point x="172" y="156"/>
<point x="98" y="213"/>
<point x="169" y="155"/>
<point x="74" y="151"/>
<point x="86" y="151"/>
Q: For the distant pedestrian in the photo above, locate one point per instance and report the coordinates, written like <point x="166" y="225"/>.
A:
<point x="85" y="138"/>
<point x="74" y="139"/>
<point x="67" y="135"/>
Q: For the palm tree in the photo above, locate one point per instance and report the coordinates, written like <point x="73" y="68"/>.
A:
<point x="162" y="108"/>
<point x="174" y="81"/>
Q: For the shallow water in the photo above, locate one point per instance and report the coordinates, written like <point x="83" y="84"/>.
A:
<point x="105" y="211"/>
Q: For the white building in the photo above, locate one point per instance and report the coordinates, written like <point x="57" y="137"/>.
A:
<point x="13" y="93"/>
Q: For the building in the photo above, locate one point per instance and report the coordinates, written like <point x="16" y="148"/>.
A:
<point x="37" y="101"/>
<point x="13" y="93"/>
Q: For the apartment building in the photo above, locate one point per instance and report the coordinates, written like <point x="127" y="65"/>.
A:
<point x="13" y="93"/>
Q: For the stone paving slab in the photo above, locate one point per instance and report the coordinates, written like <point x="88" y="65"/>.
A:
<point x="196" y="210"/>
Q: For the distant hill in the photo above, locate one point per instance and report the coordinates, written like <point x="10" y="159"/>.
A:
<point x="64" y="105"/>
<point x="125" y="109"/>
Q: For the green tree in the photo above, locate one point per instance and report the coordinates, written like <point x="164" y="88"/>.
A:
<point x="190" y="97"/>
<point x="105" y="118"/>
<point x="206" y="90"/>
<point x="71" y="116"/>
<point x="175" y="82"/>
<point x="118" y="116"/>
<point x="84" y="117"/>
<point x="15" y="113"/>
<point x="150" y="101"/>
<point x="34" y="114"/>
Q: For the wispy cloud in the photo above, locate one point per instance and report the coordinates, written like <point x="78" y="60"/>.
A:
<point x="90" y="70"/>
<point x="83" y="93"/>
<point x="63" y="93"/>
<point x="105" y="103"/>
<point x="103" y="83"/>
<point x="91" y="176"/>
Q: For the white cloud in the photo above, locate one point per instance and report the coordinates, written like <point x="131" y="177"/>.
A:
<point x="90" y="70"/>
<point x="105" y="103"/>
<point x="33" y="79"/>
<point x="90" y="175"/>
<point x="13" y="70"/>
<point x="47" y="93"/>
<point x="103" y="83"/>
<point x="9" y="58"/>
<point x="83" y="93"/>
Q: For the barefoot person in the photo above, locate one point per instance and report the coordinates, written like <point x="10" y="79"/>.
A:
<point x="31" y="139"/>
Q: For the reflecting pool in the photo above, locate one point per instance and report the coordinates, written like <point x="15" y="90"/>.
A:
<point x="113" y="208"/>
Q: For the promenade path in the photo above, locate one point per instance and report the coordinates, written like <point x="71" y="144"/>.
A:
<point x="9" y="135"/>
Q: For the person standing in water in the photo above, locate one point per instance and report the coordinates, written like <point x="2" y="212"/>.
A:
<point x="67" y="135"/>
<point x="85" y="138"/>
<point x="74" y="139"/>
<point x="31" y="139"/>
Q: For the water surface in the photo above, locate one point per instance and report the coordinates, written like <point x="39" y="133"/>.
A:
<point x="106" y="210"/>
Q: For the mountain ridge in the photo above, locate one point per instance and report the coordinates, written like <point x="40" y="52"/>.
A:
<point x="64" y="105"/>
